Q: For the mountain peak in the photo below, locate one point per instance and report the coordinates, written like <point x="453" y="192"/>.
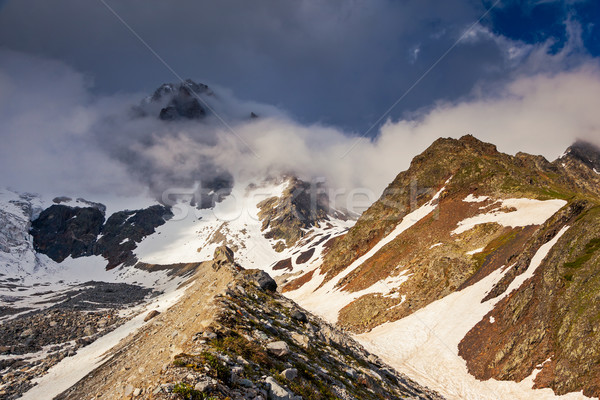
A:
<point x="586" y="152"/>
<point x="177" y="101"/>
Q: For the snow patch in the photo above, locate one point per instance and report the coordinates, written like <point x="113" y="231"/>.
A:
<point x="521" y="212"/>
<point x="475" y="199"/>
<point x="470" y="253"/>
<point x="435" y="245"/>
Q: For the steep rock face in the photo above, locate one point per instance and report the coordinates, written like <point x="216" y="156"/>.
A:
<point x="300" y="207"/>
<point x="551" y="322"/>
<point x="124" y="229"/>
<point x="62" y="231"/>
<point x="581" y="166"/>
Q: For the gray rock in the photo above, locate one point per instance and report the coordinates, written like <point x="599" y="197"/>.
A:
<point x="89" y="330"/>
<point x="245" y="383"/>
<point x="290" y="374"/>
<point x="299" y="316"/>
<point x="278" y="392"/>
<point x="260" y="335"/>
<point x="205" y="384"/>
<point x="280" y="349"/>
<point x="300" y="339"/>
<point x="262" y="280"/>
<point x="209" y="335"/>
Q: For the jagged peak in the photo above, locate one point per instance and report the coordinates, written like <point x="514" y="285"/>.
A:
<point x="585" y="151"/>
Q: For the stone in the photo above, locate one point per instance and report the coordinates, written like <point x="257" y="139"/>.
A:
<point x="290" y="374"/>
<point x="276" y="391"/>
<point x="280" y="349"/>
<point x="209" y="335"/>
<point x="205" y="384"/>
<point x="137" y="392"/>
<point x="299" y="316"/>
<point x="245" y="383"/>
<point x="223" y="255"/>
<point x="151" y="315"/>
<point x="260" y="335"/>
<point x="88" y="330"/>
<point x="300" y="340"/>
<point x="262" y="280"/>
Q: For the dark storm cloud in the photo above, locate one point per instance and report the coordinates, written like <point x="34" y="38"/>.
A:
<point x="70" y="74"/>
<point x="336" y="62"/>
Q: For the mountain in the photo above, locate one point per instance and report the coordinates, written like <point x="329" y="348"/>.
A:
<point x="503" y="248"/>
<point x="474" y="274"/>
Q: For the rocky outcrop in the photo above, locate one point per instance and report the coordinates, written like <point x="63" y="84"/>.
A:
<point x="581" y="167"/>
<point x="301" y="206"/>
<point x="124" y="229"/>
<point x="62" y="231"/>
<point x="176" y="101"/>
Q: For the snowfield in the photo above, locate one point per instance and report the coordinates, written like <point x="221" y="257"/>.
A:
<point x="424" y="345"/>
<point x="521" y="212"/>
<point x="194" y="235"/>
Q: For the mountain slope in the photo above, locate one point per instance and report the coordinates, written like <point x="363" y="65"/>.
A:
<point x="231" y="337"/>
<point x="465" y="218"/>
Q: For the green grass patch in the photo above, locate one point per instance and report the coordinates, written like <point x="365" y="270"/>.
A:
<point x="216" y="368"/>
<point x="185" y="391"/>
<point x="590" y="248"/>
<point x="492" y="247"/>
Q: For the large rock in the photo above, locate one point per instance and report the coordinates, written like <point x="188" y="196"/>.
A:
<point x="280" y="349"/>
<point x="62" y="231"/>
<point x="278" y="392"/>
<point x="262" y="280"/>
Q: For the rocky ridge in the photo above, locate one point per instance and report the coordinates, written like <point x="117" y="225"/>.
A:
<point x="231" y="336"/>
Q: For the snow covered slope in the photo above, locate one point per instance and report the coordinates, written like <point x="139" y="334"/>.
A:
<point x="193" y="234"/>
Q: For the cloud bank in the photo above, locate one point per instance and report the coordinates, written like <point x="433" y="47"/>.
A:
<point x="59" y="138"/>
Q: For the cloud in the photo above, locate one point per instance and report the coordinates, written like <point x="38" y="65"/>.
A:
<point x="58" y="137"/>
<point x="46" y="116"/>
<point x="334" y="62"/>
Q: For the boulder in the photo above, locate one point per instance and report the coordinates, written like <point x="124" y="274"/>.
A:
<point x="151" y="315"/>
<point x="280" y="349"/>
<point x="299" y="316"/>
<point x="290" y="374"/>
